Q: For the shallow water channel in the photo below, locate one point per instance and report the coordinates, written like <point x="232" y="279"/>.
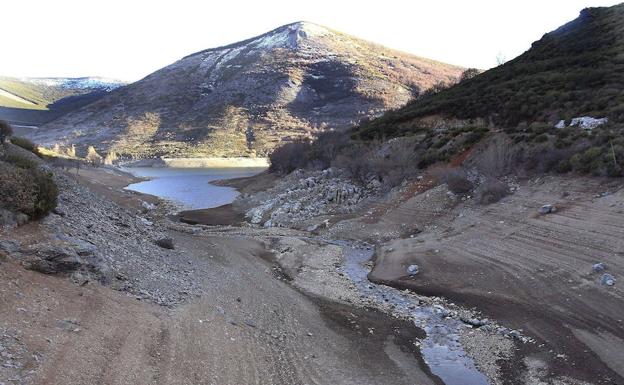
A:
<point x="441" y="349"/>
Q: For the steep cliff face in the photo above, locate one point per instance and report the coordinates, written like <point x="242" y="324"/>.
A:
<point x="246" y="98"/>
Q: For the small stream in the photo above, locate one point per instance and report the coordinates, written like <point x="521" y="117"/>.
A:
<point x="441" y="349"/>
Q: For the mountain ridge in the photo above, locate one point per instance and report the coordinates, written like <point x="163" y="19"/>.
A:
<point x="575" y="70"/>
<point x="37" y="100"/>
<point x="245" y="98"/>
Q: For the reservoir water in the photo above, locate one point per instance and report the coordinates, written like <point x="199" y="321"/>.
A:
<point x="189" y="188"/>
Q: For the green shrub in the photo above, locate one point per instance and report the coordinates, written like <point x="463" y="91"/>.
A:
<point x="30" y="191"/>
<point x="290" y="156"/>
<point x="20" y="161"/>
<point x="588" y="161"/>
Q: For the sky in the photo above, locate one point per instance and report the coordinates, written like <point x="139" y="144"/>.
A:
<point x="129" y="39"/>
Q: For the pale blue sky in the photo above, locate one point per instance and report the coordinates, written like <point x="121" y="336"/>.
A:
<point x="128" y="39"/>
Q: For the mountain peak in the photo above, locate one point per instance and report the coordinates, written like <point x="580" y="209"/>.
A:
<point x="308" y="29"/>
<point x="247" y="97"/>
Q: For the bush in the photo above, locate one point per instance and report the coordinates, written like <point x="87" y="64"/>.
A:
<point x="18" y="160"/>
<point x="24" y="143"/>
<point x="290" y="156"/>
<point x="5" y="130"/>
<point x="456" y="180"/>
<point x="491" y="191"/>
<point x="30" y="190"/>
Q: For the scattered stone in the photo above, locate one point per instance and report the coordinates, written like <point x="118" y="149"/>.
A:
<point x="607" y="279"/>
<point x="599" y="267"/>
<point x="412" y="269"/>
<point x="547" y="209"/>
<point x="165" y="243"/>
<point x="147" y="206"/>
<point x="475" y="321"/>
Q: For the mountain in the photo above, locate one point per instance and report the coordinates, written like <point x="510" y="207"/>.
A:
<point x="575" y="70"/>
<point x="245" y="98"/>
<point x="34" y="101"/>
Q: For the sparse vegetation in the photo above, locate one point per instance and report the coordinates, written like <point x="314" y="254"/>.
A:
<point x="25" y="188"/>
<point x="491" y="191"/>
<point x="573" y="71"/>
<point x="5" y="131"/>
<point x="456" y="180"/>
<point x="290" y="156"/>
<point x="25" y="143"/>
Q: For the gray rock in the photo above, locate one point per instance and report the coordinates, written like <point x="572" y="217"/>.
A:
<point x="21" y="219"/>
<point x="607" y="279"/>
<point x="9" y="247"/>
<point x="547" y="209"/>
<point x="7" y="219"/>
<point x="475" y="321"/>
<point x="413" y="269"/>
<point x="599" y="267"/>
<point x="165" y="243"/>
<point x="53" y="259"/>
<point x="82" y="248"/>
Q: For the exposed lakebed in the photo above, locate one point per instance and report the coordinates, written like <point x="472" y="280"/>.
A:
<point x="189" y="188"/>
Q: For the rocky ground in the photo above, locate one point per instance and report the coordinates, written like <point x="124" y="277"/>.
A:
<point x="88" y="296"/>
<point x="110" y="289"/>
<point x="535" y="273"/>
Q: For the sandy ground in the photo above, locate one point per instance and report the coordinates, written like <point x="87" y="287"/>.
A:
<point x="250" y="327"/>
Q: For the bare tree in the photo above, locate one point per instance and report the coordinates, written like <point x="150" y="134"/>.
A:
<point x="501" y="58"/>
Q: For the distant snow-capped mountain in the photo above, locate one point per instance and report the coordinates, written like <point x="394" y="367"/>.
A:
<point x="88" y="82"/>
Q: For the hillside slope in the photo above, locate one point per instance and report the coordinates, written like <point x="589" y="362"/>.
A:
<point x="576" y="70"/>
<point x="245" y="98"/>
<point x="33" y="101"/>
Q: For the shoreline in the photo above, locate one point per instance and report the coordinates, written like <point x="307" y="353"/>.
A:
<point x="208" y="162"/>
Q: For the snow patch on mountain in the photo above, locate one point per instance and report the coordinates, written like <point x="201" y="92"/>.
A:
<point x="90" y="83"/>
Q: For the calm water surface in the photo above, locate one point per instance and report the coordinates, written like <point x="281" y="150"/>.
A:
<point x="189" y="188"/>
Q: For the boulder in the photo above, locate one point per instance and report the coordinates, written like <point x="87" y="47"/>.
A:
<point x="599" y="267"/>
<point x="82" y="248"/>
<point x="607" y="279"/>
<point x="9" y="247"/>
<point x="588" y="123"/>
<point x="165" y="243"/>
<point x="54" y="259"/>
<point x="413" y="269"/>
<point x="547" y="209"/>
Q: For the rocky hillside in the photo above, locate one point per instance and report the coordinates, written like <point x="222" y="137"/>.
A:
<point x="247" y="97"/>
<point x="33" y="101"/>
<point x="576" y="70"/>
